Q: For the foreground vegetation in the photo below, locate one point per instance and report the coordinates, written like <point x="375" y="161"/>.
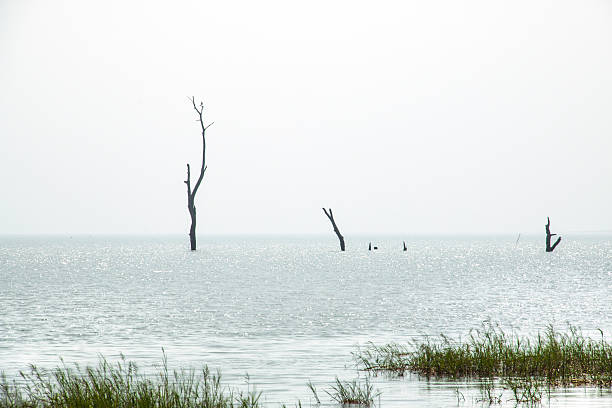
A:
<point x="349" y="392"/>
<point x="121" y="385"/>
<point x="507" y="367"/>
<point x="557" y="358"/>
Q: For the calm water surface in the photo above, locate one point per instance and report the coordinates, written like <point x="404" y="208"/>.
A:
<point x="287" y="310"/>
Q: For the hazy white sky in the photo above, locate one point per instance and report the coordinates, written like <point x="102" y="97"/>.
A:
<point x="435" y="116"/>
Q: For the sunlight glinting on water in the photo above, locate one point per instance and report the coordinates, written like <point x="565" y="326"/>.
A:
<point x="290" y="310"/>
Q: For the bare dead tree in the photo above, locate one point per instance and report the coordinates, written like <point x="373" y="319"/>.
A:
<point x="330" y="215"/>
<point x="192" y="193"/>
<point x="548" y="236"/>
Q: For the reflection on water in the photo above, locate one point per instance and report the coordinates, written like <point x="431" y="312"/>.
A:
<point x="290" y="310"/>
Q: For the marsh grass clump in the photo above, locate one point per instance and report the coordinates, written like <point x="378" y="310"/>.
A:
<point x="121" y="385"/>
<point x="392" y="357"/>
<point x="559" y="358"/>
<point x="352" y="392"/>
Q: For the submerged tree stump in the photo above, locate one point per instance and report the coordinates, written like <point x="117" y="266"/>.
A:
<point x="550" y="248"/>
<point x="330" y="215"/>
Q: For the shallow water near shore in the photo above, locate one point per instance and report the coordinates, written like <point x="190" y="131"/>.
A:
<point x="287" y="310"/>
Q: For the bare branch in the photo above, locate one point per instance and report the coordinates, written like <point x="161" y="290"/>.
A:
<point x="550" y="248"/>
<point x="330" y="215"/>
<point x="188" y="182"/>
<point x="195" y="107"/>
<point x="326" y="213"/>
<point x="201" y="120"/>
<point x="555" y="244"/>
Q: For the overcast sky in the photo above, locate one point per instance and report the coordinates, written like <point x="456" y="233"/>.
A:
<point x="432" y="116"/>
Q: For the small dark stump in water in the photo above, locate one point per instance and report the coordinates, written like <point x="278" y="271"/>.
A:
<point x="405" y="248"/>
<point x="550" y="248"/>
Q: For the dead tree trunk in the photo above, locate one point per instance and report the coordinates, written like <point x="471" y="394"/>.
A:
<point x="548" y="236"/>
<point x="330" y="215"/>
<point x="191" y="194"/>
<point x="405" y="248"/>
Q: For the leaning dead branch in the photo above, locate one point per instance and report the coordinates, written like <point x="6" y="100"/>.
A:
<point x="330" y="215"/>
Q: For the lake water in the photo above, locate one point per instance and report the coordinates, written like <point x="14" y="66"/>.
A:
<point x="287" y="310"/>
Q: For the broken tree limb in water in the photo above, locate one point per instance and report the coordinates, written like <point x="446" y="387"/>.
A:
<point x="549" y="236"/>
<point x="330" y="215"/>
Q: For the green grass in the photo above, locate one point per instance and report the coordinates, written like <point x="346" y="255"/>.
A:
<point x="392" y="357"/>
<point x="121" y="385"/>
<point x="559" y="358"/>
<point x="525" y="392"/>
<point x="353" y="392"/>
